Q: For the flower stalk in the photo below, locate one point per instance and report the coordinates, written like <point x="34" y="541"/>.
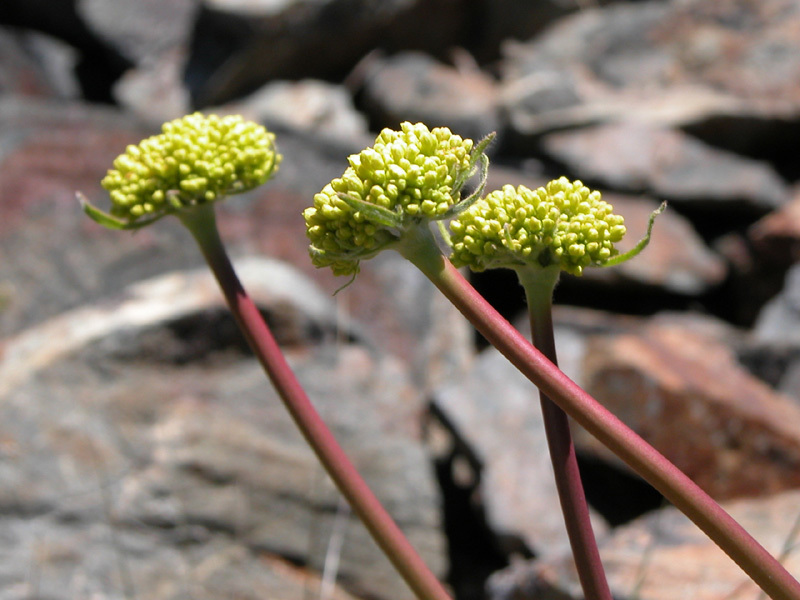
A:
<point x="538" y="285"/>
<point x="767" y="572"/>
<point x="194" y="162"/>
<point x="201" y="223"/>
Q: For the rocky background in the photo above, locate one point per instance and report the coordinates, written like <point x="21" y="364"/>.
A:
<point x="142" y="454"/>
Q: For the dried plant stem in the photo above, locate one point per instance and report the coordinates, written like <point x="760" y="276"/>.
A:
<point x="202" y="224"/>
<point x="538" y="285"/>
<point x="420" y="248"/>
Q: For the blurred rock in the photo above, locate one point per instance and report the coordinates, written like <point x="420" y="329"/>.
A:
<point x="501" y="20"/>
<point x="144" y="419"/>
<point x="154" y="91"/>
<point x="412" y="86"/>
<point x="495" y="411"/>
<point x="140" y="30"/>
<point x="105" y="560"/>
<point x="99" y="62"/>
<point x="727" y="69"/>
<point x="238" y="47"/>
<point x="33" y="64"/>
<point x="315" y="107"/>
<point x="669" y="165"/>
<point x="776" y="237"/>
<point x="779" y="321"/>
<point x="683" y="391"/>
<point x="664" y="556"/>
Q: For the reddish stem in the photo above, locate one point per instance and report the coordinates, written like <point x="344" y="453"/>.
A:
<point x="384" y="530"/>
<point x="420" y="248"/>
<point x="538" y="285"/>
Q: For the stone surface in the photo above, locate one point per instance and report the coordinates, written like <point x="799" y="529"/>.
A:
<point x="670" y="63"/>
<point x="683" y="391"/>
<point x="667" y="164"/>
<point x="98" y="62"/>
<point x="36" y="65"/>
<point x="663" y="556"/>
<point x="140" y="30"/>
<point x="778" y="321"/>
<point x="149" y="423"/>
<point x="776" y="237"/>
<point x="412" y="86"/>
<point x="676" y="259"/>
<point x="495" y="411"/>
<point x="312" y="106"/>
<point x="239" y="46"/>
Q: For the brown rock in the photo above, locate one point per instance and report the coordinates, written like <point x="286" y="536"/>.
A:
<point x="776" y="237"/>
<point x="684" y="392"/>
<point x="676" y="258"/>
<point x="663" y="556"/>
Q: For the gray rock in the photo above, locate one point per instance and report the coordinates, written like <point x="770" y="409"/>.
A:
<point x="98" y="63"/>
<point x="140" y="30"/>
<point x="667" y="164"/>
<point x="670" y="63"/>
<point x="776" y="237"/>
<point x="315" y="107"/>
<point x="778" y="321"/>
<point x="412" y="86"/>
<point x="496" y="412"/>
<point x="36" y="65"/>
<point x="146" y="413"/>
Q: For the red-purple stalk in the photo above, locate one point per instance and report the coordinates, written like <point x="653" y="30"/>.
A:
<point x="202" y="224"/>
<point x="420" y="248"/>
<point x="539" y="284"/>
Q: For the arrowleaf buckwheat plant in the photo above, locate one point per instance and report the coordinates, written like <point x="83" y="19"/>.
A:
<point x="387" y="198"/>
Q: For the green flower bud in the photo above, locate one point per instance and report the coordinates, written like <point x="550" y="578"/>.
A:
<point x="194" y="160"/>
<point x="406" y="178"/>
<point x="563" y="223"/>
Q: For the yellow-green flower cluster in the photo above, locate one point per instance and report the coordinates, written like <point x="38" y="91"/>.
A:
<point x="194" y="160"/>
<point x="410" y="175"/>
<point x="563" y="223"/>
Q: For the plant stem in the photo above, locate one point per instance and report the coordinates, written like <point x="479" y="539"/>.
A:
<point x="201" y="223"/>
<point x="538" y="284"/>
<point x="420" y="248"/>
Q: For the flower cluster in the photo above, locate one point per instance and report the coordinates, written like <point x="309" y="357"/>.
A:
<point x="407" y="177"/>
<point x="564" y="224"/>
<point x="195" y="160"/>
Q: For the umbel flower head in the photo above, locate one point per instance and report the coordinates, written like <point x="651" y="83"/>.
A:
<point x="194" y="160"/>
<point x="564" y="223"/>
<point x="406" y="178"/>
